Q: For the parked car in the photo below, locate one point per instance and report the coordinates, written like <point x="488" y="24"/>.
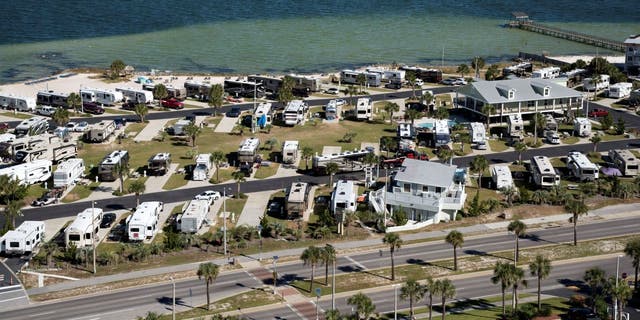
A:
<point x="393" y="85"/>
<point x="45" y="110"/>
<point x="107" y="220"/>
<point x="208" y="195"/>
<point x="234" y="112"/>
<point x="275" y="208"/>
<point x="340" y="102"/>
<point x="46" y="199"/>
<point x="173" y="103"/>
<point x="596" y="113"/>
<point x="71" y="125"/>
<point x="331" y="91"/>
<point x="459" y="82"/>
<point x="582" y="314"/>
<point x="419" y="82"/>
<point x="81" y="126"/>
<point x="449" y="81"/>
<point x="93" y="108"/>
<point x="129" y="105"/>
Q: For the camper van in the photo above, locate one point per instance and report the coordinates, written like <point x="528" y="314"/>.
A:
<point x="552" y="137"/>
<point x="52" y="98"/>
<point x="290" y="151"/>
<point x="18" y="103"/>
<point x="295" y="112"/>
<point x="303" y="85"/>
<point x="581" y="167"/>
<point x="23" y="239"/>
<point x="248" y="150"/>
<point x="136" y="95"/>
<point x="262" y="114"/>
<point x="515" y="126"/>
<point x="501" y="177"/>
<point x="32" y="126"/>
<point x="544" y="175"/>
<point x="582" y="127"/>
<point x="589" y="85"/>
<point x="100" y="132"/>
<point x="364" y="109"/>
<point x="101" y="96"/>
<point x="343" y="197"/>
<point x="406" y="131"/>
<point x="202" y="167"/>
<point x="143" y="223"/>
<point x="106" y="169"/>
<point x="159" y="164"/>
<point x="546" y="73"/>
<point x="82" y="230"/>
<point x="441" y="133"/>
<point x="194" y="214"/>
<point x="198" y="90"/>
<point x="55" y="152"/>
<point x="620" y="90"/>
<point x="296" y="201"/>
<point x="625" y="161"/>
<point x="29" y="173"/>
<point x="68" y="172"/>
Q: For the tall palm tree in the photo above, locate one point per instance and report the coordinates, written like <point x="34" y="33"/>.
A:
<point x="328" y="255"/>
<point x="50" y="248"/>
<point x="362" y="304"/>
<point x="412" y="291"/>
<point x="442" y="113"/>
<point x="307" y="153"/>
<point x="141" y="110"/>
<point x="519" y="229"/>
<point x="538" y="123"/>
<point x="540" y="268"/>
<point x="361" y="80"/>
<point x="60" y="116"/>
<point x="209" y="272"/>
<point x="595" y="140"/>
<point x="390" y="108"/>
<point x="370" y="159"/>
<point x="445" y="154"/>
<point x="411" y="80"/>
<point x="137" y="187"/>
<point x="388" y="144"/>
<point x="502" y="276"/>
<point x="192" y="131"/>
<point x="395" y="242"/>
<point x="520" y="148"/>
<point x="488" y="110"/>
<point x="428" y="288"/>
<point x="239" y="177"/>
<point x="121" y="168"/>
<point x="596" y="279"/>
<point x="621" y="292"/>
<point x="216" y="97"/>
<point x="509" y="192"/>
<point x="412" y="115"/>
<point x="74" y="101"/>
<point x="217" y="157"/>
<point x="446" y="290"/>
<point x="479" y="165"/>
<point x="456" y="239"/>
<point x="311" y="256"/>
<point x="632" y="249"/>
<point x="577" y="208"/>
<point x="518" y="278"/>
<point x="331" y="168"/>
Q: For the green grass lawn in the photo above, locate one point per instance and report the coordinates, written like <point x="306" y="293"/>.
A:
<point x="80" y="192"/>
<point x="117" y="111"/>
<point x="176" y="180"/>
<point x="18" y="115"/>
<point x="570" y="140"/>
<point x="466" y="151"/>
<point x="611" y="137"/>
<point x="235" y="205"/>
<point x="222" y="175"/>
<point x="497" y="145"/>
<point x="265" y="172"/>
<point x="135" y="127"/>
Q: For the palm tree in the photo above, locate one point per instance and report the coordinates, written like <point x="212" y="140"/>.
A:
<point x="12" y="189"/>
<point x="50" y="248"/>
<point x="595" y="278"/>
<point x="479" y="165"/>
<point x="501" y="275"/>
<point x="456" y="239"/>
<point x="137" y="187"/>
<point x="362" y="304"/>
<point x="141" y="110"/>
<point x="239" y="177"/>
<point x="285" y="93"/>
<point x="538" y="123"/>
<point x="492" y="73"/>
<point x="463" y="69"/>
<point x="216" y="97"/>
<point x="540" y="268"/>
<point x="411" y="80"/>
<point x="217" y="157"/>
<point x="387" y="143"/>
<point x="74" y="101"/>
<point x="331" y="168"/>
<point x="333" y="314"/>
<point x="370" y="159"/>
<point x="621" y="292"/>
<point x="519" y="229"/>
<point x="632" y="249"/>
<point x="209" y="272"/>
<point x="311" y="256"/>
<point x="192" y="131"/>
<point x="390" y="108"/>
<point x="395" y="242"/>
<point x="488" y="110"/>
<point x="116" y="68"/>
<point x="328" y="255"/>
<point x="442" y="113"/>
<point x="60" y="116"/>
<point x="361" y="80"/>
<point x="428" y="288"/>
<point x="307" y="153"/>
<point x="577" y="208"/>
<point x="509" y="192"/>
<point x="121" y="169"/>
<point x="518" y="280"/>
<point x="413" y="292"/>
<point x="595" y="139"/>
<point x="160" y="92"/>
<point x="445" y="154"/>
<point x="520" y="148"/>
<point x="446" y="290"/>
<point x="412" y="114"/>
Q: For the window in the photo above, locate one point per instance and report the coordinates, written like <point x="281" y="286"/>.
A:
<point x="425" y="188"/>
<point x="14" y="244"/>
<point x="149" y="228"/>
<point x="28" y="242"/>
<point x="74" y="237"/>
<point x="407" y="187"/>
<point x="87" y="235"/>
<point x="546" y="91"/>
<point x="531" y="104"/>
<point x="134" y="229"/>
<point x="511" y="94"/>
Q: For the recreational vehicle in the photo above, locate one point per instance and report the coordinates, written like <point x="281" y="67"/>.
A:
<point x="270" y="84"/>
<point x="136" y="95"/>
<point x="68" y="172"/>
<point x="589" y="84"/>
<point x="331" y="110"/>
<point x="515" y="126"/>
<point x="620" y="90"/>
<point x="428" y="75"/>
<point x="101" y="131"/>
<point x="406" y="131"/>
<point x="501" y="176"/>
<point x="343" y="198"/>
<point x="56" y="152"/>
<point x="10" y="148"/>
<point x="30" y="172"/>
<point x="143" y="223"/>
<point x="107" y="168"/>
<point x="178" y="128"/>
<point x="262" y="114"/>
<point x="348" y="161"/>
<point x="517" y="69"/>
<point x="364" y="109"/>
<point x="18" y="103"/>
<point x="550" y="123"/>
<point x="248" y="150"/>
<point x="582" y="127"/>
<point x="244" y="88"/>
<point x="51" y="98"/>
<point x="202" y="167"/>
<point x="101" y="96"/>
<point x="295" y="112"/>
<point x="625" y="161"/>
<point x="193" y="216"/>
<point x="351" y="77"/>
<point x="159" y="163"/>
<point x="23" y="239"/>
<point x="7" y="137"/>
<point x="544" y="175"/>
<point x="546" y="73"/>
<point x="441" y="133"/>
<point x="581" y="167"/>
<point x="477" y="131"/>
<point x="198" y="90"/>
<point x="290" y="151"/>
<point x="82" y="230"/>
<point x="32" y="126"/>
<point x="296" y="202"/>
<point x="176" y="93"/>
<point x="303" y="85"/>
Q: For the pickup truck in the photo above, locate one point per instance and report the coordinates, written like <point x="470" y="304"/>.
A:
<point x="596" y="113"/>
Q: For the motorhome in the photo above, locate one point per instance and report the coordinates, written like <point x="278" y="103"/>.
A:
<point x="101" y="96"/>
<point x="406" y="131"/>
<point x="295" y="112"/>
<point x="589" y="84"/>
<point x="296" y="201"/>
<point x="501" y="177"/>
<point x="100" y="132"/>
<point x="477" y="131"/>
<point x="143" y="223"/>
<point x="136" y="95"/>
<point x="550" y="123"/>
<point x="364" y="109"/>
<point x="178" y="128"/>
<point x="176" y="93"/>
<point x="68" y="172"/>
<point x="52" y="98"/>
<point x="55" y="152"/>
<point x="23" y="239"/>
<point x="32" y="126"/>
<point x="343" y="198"/>
<point x="159" y="163"/>
<point x="428" y="75"/>
<point x="29" y="173"/>
<point x="202" y="167"/>
<point x="248" y="150"/>
<point x="581" y="167"/>
<point x="515" y="126"/>
<point x="244" y="88"/>
<point x="18" y="103"/>
<point x="573" y="77"/>
<point x="546" y="73"/>
<point x="82" y="230"/>
<point x="519" y="69"/>
<point x="351" y="77"/>
<point x="582" y="127"/>
<point x="198" y="90"/>
<point x="543" y="173"/>
<point x="331" y="111"/>
<point x="290" y="151"/>
<point x="348" y="161"/>
<point x="625" y="161"/>
<point x="194" y="214"/>
<point x="620" y="90"/>
<point x="107" y="168"/>
<point x="270" y="84"/>
<point x="262" y="114"/>
<point x="441" y="133"/>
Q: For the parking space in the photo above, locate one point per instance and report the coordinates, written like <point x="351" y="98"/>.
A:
<point x="254" y="208"/>
<point x="151" y="130"/>
<point x="226" y="124"/>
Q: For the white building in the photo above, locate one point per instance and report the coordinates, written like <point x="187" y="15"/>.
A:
<point x="501" y="176"/>
<point x="23" y="239"/>
<point x="193" y="216"/>
<point x="80" y="232"/>
<point x="581" y="167"/>
<point x="143" y="223"/>
<point x="632" y="54"/>
<point x="290" y="151"/>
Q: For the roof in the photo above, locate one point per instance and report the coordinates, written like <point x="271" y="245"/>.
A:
<point x="84" y="219"/>
<point x="145" y="213"/>
<point x="581" y="160"/>
<point x="250" y="144"/>
<point x="68" y="164"/>
<point x="477" y="126"/>
<point x="426" y="173"/>
<point x="344" y="191"/>
<point x="295" y="105"/>
<point x="525" y="90"/>
<point x="297" y="192"/>
<point x="290" y="144"/>
<point x="160" y="156"/>
<point x="196" y="209"/>
<point x="203" y="158"/>
<point x="519" y="15"/>
<point x="633" y="39"/>
<point x="114" y="157"/>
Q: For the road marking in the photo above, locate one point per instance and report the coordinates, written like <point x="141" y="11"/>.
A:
<point x="296" y="311"/>
<point x="97" y="316"/>
<point x="10" y="299"/>
<point x="358" y="264"/>
<point x="41" y="314"/>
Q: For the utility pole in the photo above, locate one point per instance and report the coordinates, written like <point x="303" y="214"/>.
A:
<point x="333" y="285"/>
<point x="173" y="309"/>
<point x="275" y="273"/>
<point x="224" y="220"/>
<point x="94" y="234"/>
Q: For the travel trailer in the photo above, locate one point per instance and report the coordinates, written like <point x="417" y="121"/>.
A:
<point x="32" y="126"/>
<point x="176" y="93"/>
<point x="244" y="88"/>
<point x="198" y="90"/>
<point x="620" y="90"/>
<point x="544" y="175"/>
<point x="343" y="198"/>
<point x="295" y="112"/>
<point x="248" y="150"/>
<point x="331" y="111"/>
<point x="589" y="85"/>
<point x="364" y="109"/>
<point x="18" y="103"/>
<point x="303" y="85"/>
<point x="477" y="131"/>
<point x="441" y="133"/>
<point x="10" y="148"/>
<point x="23" y="239"/>
<point x="136" y="95"/>
<point x="296" y="201"/>
<point x="52" y="98"/>
<point x="159" y="164"/>
<point x="82" y="230"/>
<point x="519" y="69"/>
<point x="100" y="132"/>
<point x="270" y="84"/>
<point x="289" y="151"/>
<point x="55" y="152"/>
<point x="348" y="161"/>
<point x="351" y="77"/>
<point x="515" y="126"/>
<point x="29" y="173"/>
<point x="101" y="96"/>
<point x="581" y="167"/>
<point x="202" y="167"/>
<point x="143" y="223"/>
<point x="428" y="75"/>
<point x="501" y="177"/>
<point x="625" y="161"/>
<point x="68" y="172"/>
<point x="194" y="214"/>
<point x="262" y="114"/>
<point x="406" y="131"/>
<point x="178" y="128"/>
<point x="546" y="73"/>
<point x="582" y="127"/>
<point x="106" y="169"/>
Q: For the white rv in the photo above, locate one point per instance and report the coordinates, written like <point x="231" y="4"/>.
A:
<point x="343" y="197"/>
<point x="501" y="176"/>
<point x="32" y="126"/>
<point x="24" y="239"/>
<point x="102" y="96"/>
<point x="372" y="79"/>
<point x="477" y="131"/>
<point x="52" y="98"/>
<point x="82" y="230"/>
<point x="589" y="85"/>
<point x="19" y="103"/>
<point x="441" y="133"/>
<point x="159" y="163"/>
<point x="12" y="147"/>
<point x="364" y="109"/>
<point x="248" y="150"/>
<point x="100" y="131"/>
<point x="546" y="73"/>
<point x="143" y="223"/>
<point x="136" y="95"/>
<point x="406" y="131"/>
<point x="544" y="175"/>
<point x="30" y="172"/>
<point x="347" y="161"/>
<point x="620" y="90"/>
<point x="515" y="125"/>
<point x="202" y="167"/>
<point x="625" y="161"/>
<point x="56" y="152"/>
<point x="68" y="172"/>
<point x="296" y="201"/>
<point x="582" y="127"/>
<point x="331" y="111"/>
<point x="581" y="167"/>
<point x="295" y="112"/>
<point x="262" y="114"/>
<point x="193" y="215"/>
<point x="290" y="151"/>
<point x="106" y="169"/>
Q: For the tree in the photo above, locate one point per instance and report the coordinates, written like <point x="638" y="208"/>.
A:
<point x="428" y="288"/>
<point x="333" y="314"/>
<point x="370" y="159"/>
<point x="606" y="122"/>
<point x="446" y="290"/>
<point x="192" y="131"/>
<point x="520" y="148"/>
<point x="216" y="98"/>
<point x="395" y="242"/>
<point x="538" y="123"/>
<point x="463" y="69"/>
<point x="388" y="144"/>
<point x="239" y="177"/>
<point x="209" y="272"/>
<point x="351" y="91"/>
<point x="456" y="239"/>
<point x="477" y="63"/>
<point x="362" y="304"/>
<point x="390" y="108"/>
<point x="285" y="93"/>
<point x="519" y="229"/>
<point x="502" y="276"/>
<point x="50" y="248"/>
<point x="116" y="68"/>
<point x="445" y="154"/>
<point x="411" y="80"/>
<point x="141" y="111"/>
<point x="442" y="113"/>
<point x="412" y="291"/>
<point x="492" y="73"/>
<point x="307" y="153"/>
<point x="595" y="139"/>
<point x="137" y="187"/>
<point x="121" y="168"/>
<point x="632" y="249"/>
<point x="328" y="255"/>
<point x="479" y="165"/>
<point x="620" y="126"/>
<point x="621" y="292"/>
<point x="595" y="278"/>
<point x="160" y="92"/>
<point x="74" y="101"/>
<point x="412" y="115"/>
<point x="540" y="268"/>
<point x="518" y="280"/>
<point x="577" y="208"/>
<point x="217" y="158"/>
<point x="361" y="80"/>
<point x="311" y="256"/>
<point x="509" y="192"/>
<point x="331" y="168"/>
<point x="487" y="111"/>
<point x="60" y="116"/>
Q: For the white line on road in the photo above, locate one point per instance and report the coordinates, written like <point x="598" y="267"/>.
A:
<point x="16" y="298"/>
<point x="358" y="264"/>
<point x="97" y="316"/>
<point x="41" y="314"/>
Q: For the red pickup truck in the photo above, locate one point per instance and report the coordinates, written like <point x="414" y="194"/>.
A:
<point x="173" y="103"/>
<point x="596" y="113"/>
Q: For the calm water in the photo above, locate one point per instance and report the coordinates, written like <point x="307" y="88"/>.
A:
<point x="38" y="38"/>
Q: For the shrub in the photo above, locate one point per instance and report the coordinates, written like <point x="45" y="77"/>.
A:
<point x="399" y="218"/>
<point x="577" y="300"/>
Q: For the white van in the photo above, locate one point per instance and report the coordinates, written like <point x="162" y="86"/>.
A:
<point x="45" y="110"/>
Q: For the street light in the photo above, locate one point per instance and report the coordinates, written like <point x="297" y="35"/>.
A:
<point x="260" y="237"/>
<point x="318" y="292"/>
<point x="615" y="299"/>
<point x="395" y="301"/>
<point x="93" y="233"/>
<point x="173" y="309"/>
<point x="275" y="273"/>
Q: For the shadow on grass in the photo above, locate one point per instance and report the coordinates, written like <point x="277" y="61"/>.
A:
<point x="421" y="262"/>
<point x="536" y="238"/>
<point x="479" y="253"/>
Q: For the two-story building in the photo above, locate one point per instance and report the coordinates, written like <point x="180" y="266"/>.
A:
<point x="632" y="54"/>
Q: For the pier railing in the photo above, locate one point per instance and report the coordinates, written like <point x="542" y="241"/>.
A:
<point x="569" y="35"/>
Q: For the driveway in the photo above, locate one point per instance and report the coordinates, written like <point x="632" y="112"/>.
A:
<point x="254" y="208"/>
<point x="226" y="124"/>
<point x="151" y="130"/>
